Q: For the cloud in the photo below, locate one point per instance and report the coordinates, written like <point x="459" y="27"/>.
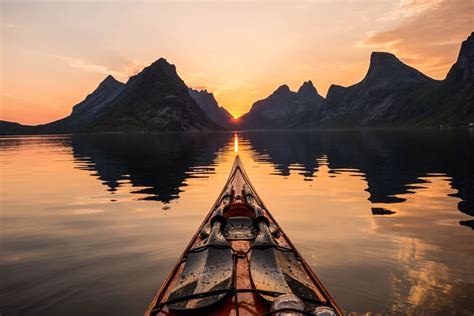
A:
<point x="193" y="77"/>
<point x="409" y="8"/>
<point x="122" y="71"/>
<point x="428" y="34"/>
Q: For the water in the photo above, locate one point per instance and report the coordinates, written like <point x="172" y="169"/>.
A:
<point x="93" y="224"/>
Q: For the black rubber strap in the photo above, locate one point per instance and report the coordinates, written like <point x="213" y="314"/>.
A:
<point x="281" y="310"/>
<point x="232" y="290"/>
<point x="204" y="247"/>
<point x="269" y="246"/>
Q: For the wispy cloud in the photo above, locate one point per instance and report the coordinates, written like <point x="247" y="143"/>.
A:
<point x="123" y="71"/>
<point x="427" y="35"/>
<point x="193" y="77"/>
<point x="408" y="9"/>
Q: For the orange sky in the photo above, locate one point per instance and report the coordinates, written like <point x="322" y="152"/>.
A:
<point x="53" y="54"/>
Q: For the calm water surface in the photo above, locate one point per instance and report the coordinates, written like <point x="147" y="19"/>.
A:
<point x="93" y="224"/>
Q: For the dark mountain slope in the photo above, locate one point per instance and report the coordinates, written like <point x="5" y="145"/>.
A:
<point x="156" y="99"/>
<point x="395" y="95"/>
<point x="12" y="128"/>
<point x="107" y="90"/>
<point x="455" y="95"/>
<point x="283" y="108"/>
<point x="87" y="111"/>
<point x="380" y="98"/>
<point x="208" y="104"/>
<point x="446" y="102"/>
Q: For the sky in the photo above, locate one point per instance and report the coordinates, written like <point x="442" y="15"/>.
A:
<point x="54" y="53"/>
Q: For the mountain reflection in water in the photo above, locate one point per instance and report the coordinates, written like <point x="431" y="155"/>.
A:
<point x="158" y="164"/>
<point x="393" y="163"/>
<point x="92" y="224"/>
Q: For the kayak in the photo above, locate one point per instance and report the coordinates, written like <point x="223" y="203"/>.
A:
<point x="240" y="262"/>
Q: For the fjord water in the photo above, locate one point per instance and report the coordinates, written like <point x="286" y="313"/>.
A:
<point x="92" y="224"/>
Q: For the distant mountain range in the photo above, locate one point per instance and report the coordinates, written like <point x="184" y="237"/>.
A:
<point x="392" y="94"/>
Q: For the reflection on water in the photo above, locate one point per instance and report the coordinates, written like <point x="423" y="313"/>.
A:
<point x="158" y="165"/>
<point x="93" y="223"/>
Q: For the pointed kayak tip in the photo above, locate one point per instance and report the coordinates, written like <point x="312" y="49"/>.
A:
<point x="237" y="161"/>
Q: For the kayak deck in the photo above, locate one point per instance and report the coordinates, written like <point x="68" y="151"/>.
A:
<point x="264" y="262"/>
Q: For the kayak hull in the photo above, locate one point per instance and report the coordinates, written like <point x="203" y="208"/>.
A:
<point x="252" y="287"/>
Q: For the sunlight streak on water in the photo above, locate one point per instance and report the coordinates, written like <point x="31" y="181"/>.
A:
<point x="236" y="144"/>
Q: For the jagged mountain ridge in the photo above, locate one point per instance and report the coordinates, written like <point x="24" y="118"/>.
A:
<point x="208" y="104"/>
<point x="283" y="108"/>
<point x="392" y="94"/>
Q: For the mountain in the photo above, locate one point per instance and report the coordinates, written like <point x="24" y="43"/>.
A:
<point x="86" y="112"/>
<point x="209" y="105"/>
<point x="378" y="99"/>
<point x="107" y="90"/>
<point x="12" y="128"/>
<point x="392" y="94"/>
<point x="156" y="99"/>
<point x="283" y="108"/>
<point x="454" y="98"/>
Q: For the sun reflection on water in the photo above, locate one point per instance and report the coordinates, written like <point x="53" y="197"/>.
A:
<point x="236" y="143"/>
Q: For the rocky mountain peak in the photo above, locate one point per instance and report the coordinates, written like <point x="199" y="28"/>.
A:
<point x="467" y="49"/>
<point x="109" y="83"/>
<point x="283" y="89"/>
<point x="386" y="69"/>
<point x="463" y="69"/>
<point x="157" y="71"/>
<point x="307" y="89"/>
<point x="203" y="95"/>
<point x="378" y="58"/>
<point x="201" y="92"/>
<point x="105" y="91"/>
<point x="208" y="103"/>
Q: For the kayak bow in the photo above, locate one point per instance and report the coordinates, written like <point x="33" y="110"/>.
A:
<point x="240" y="262"/>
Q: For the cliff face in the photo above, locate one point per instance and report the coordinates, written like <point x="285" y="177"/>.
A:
<point x="378" y="99"/>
